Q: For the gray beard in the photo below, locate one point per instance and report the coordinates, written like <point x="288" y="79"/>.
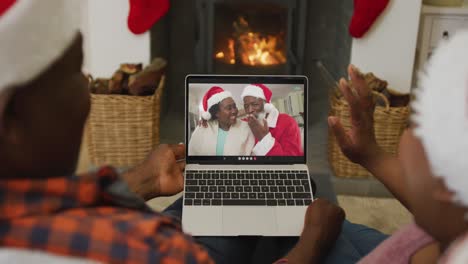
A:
<point x="261" y="116"/>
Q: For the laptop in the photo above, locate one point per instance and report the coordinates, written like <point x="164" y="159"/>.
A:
<point x="229" y="193"/>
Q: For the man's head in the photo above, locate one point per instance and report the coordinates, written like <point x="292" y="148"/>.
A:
<point x="433" y="153"/>
<point x="254" y="106"/>
<point x="45" y="102"/>
<point x="257" y="100"/>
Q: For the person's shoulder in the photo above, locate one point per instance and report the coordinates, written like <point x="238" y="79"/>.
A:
<point x="285" y="118"/>
<point x="210" y="125"/>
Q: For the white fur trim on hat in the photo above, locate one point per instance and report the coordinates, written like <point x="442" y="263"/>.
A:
<point x="268" y="107"/>
<point x="253" y="90"/>
<point x="441" y="114"/>
<point x="214" y="99"/>
<point x="206" y="115"/>
<point x="217" y="98"/>
<point x="34" y="34"/>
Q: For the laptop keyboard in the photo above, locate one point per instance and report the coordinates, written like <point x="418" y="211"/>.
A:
<point x="247" y="187"/>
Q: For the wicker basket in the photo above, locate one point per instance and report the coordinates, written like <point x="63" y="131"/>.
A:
<point x="389" y="124"/>
<point x="123" y="129"/>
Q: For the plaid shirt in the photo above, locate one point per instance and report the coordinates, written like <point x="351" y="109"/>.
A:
<point x="85" y="217"/>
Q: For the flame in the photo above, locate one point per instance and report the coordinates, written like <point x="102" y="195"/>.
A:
<point x="252" y="47"/>
<point x="232" y="54"/>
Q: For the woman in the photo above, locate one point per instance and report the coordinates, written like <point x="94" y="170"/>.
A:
<point x="225" y="134"/>
<point x="429" y="175"/>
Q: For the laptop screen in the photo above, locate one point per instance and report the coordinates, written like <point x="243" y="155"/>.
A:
<point x="246" y="119"/>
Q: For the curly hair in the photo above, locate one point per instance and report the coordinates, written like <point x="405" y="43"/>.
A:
<point x="214" y="109"/>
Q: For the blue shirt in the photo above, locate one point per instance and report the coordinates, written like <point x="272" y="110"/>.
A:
<point x="220" y="141"/>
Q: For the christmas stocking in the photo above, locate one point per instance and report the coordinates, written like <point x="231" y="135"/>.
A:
<point x="365" y="14"/>
<point x="144" y="13"/>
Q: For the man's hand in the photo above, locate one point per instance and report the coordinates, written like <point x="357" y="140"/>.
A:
<point x="259" y="129"/>
<point x="203" y="123"/>
<point x="359" y="144"/>
<point x="160" y="174"/>
<point x="322" y="226"/>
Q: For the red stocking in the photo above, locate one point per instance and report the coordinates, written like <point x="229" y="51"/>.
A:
<point x="144" y="13"/>
<point x="364" y="16"/>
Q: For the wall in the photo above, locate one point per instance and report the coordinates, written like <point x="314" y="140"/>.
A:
<point x="108" y="42"/>
<point x="388" y="49"/>
<point x="329" y="42"/>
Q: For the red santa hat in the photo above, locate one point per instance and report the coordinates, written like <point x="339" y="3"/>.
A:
<point x="33" y="35"/>
<point x="259" y="91"/>
<point x="213" y="96"/>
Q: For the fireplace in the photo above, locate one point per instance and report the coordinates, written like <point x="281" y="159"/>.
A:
<point x="192" y="34"/>
<point x="250" y="37"/>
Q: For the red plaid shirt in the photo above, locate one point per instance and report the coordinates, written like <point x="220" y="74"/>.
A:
<point x="78" y="216"/>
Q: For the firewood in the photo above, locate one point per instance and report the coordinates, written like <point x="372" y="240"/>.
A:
<point x="145" y="82"/>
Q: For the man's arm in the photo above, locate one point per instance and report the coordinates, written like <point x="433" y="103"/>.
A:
<point x="289" y="144"/>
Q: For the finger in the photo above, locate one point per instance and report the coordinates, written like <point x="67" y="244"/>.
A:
<point x="178" y="150"/>
<point x="352" y="100"/>
<point x="177" y="180"/>
<point x="339" y="132"/>
<point x="359" y="83"/>
<point x="347" y="93"/>
<point x="181" y="165"/>
<point x="265" y="124"/>
<point x="251" y="120"/>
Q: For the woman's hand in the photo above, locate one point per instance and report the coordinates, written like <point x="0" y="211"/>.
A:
<point x="358" y="144"/>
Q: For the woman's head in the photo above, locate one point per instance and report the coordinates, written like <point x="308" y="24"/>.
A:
<point x="225" y="112"/>
<point x="218" y="104"/>
<point x="434" y="152"/>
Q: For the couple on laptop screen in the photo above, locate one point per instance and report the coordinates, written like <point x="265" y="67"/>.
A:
<point x="246" y="119"/>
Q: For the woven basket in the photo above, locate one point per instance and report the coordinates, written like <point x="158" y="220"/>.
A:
<point x="389" y="124"/>
<point x="123" y="129"/>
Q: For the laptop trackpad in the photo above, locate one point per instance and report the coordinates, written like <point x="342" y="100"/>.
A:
<point x="249" y="220"/>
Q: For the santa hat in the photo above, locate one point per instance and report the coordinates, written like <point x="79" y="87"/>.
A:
<point x="441" y="114"/>
<point x="34" y="34"/>
<point x="213" y="96"/>
<point x="259" y="91"/>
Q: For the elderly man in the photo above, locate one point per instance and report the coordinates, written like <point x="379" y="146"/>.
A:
<point x="48" y="215"/>
<point x="276" y="134"/>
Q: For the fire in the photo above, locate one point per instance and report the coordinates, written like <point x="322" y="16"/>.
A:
<point x="252" y="48"/>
